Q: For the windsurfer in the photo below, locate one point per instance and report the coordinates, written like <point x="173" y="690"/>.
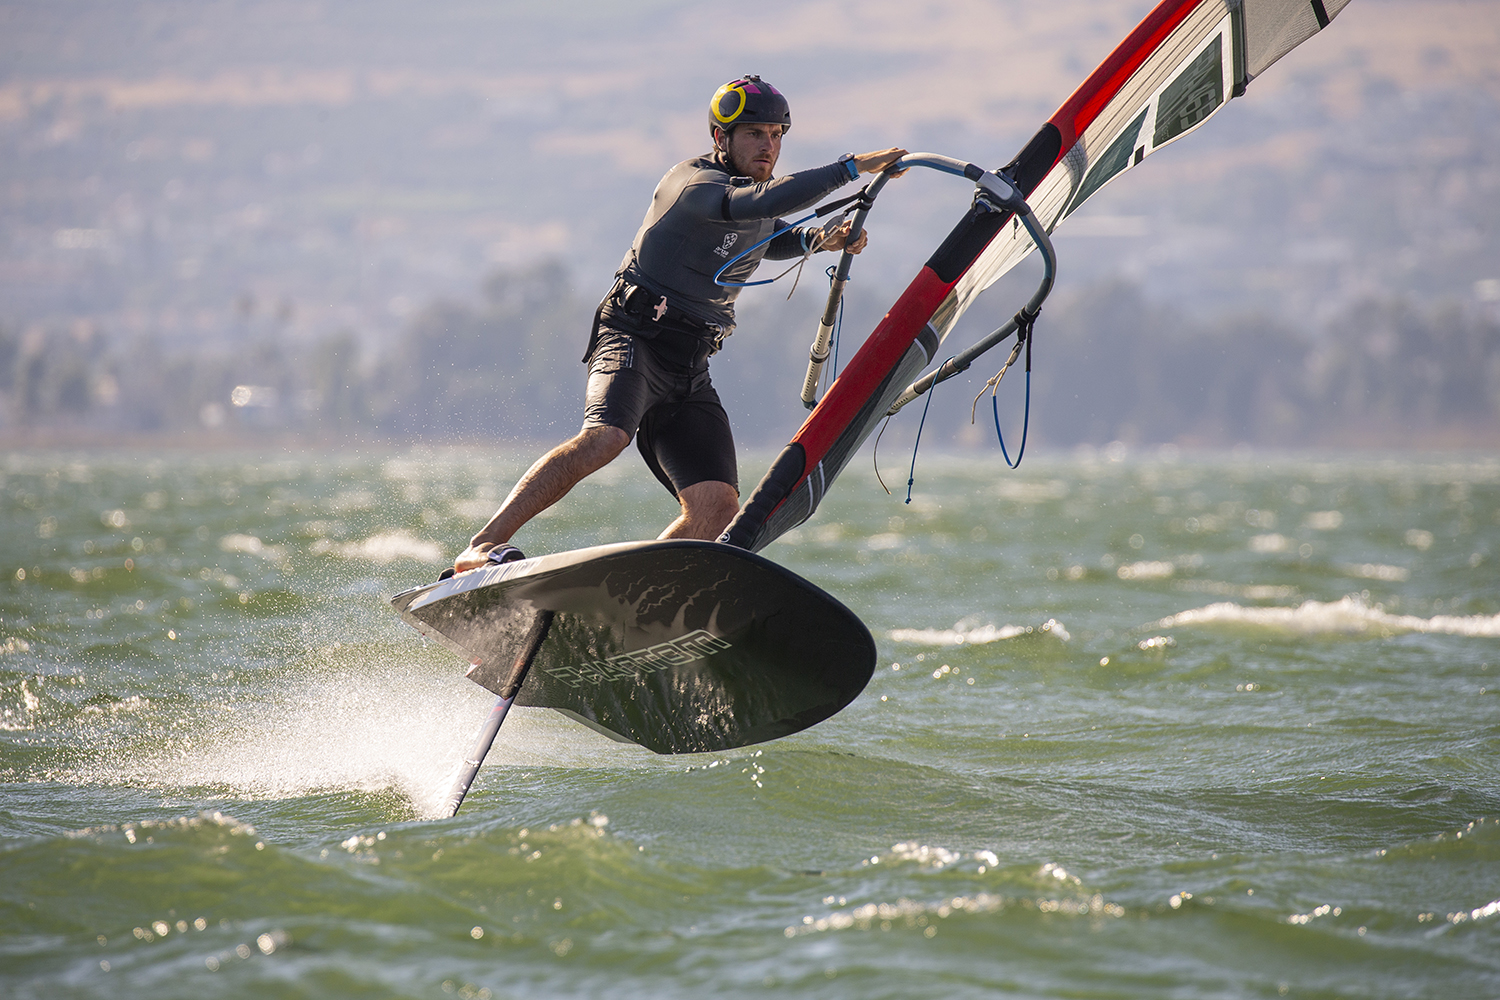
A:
<point x="665" y="315"/>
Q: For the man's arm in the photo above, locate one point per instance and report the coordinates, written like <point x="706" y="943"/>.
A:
<point x="791" y="241"/>
<point x="794" y="242"/>
<point x="769" y="199"/>
<point x="742" y="201"/>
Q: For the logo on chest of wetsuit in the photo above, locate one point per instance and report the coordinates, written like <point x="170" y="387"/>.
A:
<point x="729" y="240"/>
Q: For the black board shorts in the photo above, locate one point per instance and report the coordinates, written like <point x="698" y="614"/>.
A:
<point x="679" y="425"/>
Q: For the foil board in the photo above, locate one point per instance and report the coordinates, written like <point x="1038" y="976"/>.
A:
<point x="679" y="646"/>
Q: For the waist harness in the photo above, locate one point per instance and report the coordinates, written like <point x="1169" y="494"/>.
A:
<point x="676" y="335"/>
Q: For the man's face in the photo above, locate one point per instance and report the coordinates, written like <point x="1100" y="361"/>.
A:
<point x="753" y="150"/>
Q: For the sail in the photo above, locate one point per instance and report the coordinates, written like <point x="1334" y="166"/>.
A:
<point x="1175" y="70"/>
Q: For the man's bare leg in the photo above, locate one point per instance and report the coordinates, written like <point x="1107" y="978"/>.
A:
<point x="547" y="481"/>
<point x="707" y="509"/>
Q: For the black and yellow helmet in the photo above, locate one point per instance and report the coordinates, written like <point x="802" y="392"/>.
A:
<point x="745" y="101"/>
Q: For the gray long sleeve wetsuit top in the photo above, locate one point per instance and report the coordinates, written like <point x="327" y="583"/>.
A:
<point x="702" y="215"/>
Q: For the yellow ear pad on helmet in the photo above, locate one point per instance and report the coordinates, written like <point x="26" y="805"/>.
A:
<point x="728" y="102"/>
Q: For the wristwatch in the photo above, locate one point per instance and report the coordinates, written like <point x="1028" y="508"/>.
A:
<point x="848" y="161"/>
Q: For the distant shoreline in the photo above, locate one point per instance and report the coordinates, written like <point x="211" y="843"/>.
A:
<point x="1452" y="440"/>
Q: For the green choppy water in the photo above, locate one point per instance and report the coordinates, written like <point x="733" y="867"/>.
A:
<point x="1209" y="727"/>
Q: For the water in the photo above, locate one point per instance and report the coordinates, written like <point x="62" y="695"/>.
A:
<point x="1161" y="727"/>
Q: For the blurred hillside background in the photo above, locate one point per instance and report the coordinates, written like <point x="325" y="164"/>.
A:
<point x="362" y="218"/>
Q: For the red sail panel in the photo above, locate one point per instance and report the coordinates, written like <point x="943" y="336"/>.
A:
<point x="880" y="353"/>
<point x="1079" y="110"/>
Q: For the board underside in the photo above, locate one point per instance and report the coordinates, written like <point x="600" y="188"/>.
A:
<point x="679" y="646"/>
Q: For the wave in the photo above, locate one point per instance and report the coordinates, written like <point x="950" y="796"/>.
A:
<point x="959" y="634"/>
<point x="383" y="548"/>
<point x="1347" y="616"/>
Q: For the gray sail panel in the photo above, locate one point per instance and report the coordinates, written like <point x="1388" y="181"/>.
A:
<point x="1275" y="27"/>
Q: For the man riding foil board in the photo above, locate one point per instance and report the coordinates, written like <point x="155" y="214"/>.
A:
<point x="666" y="315"/>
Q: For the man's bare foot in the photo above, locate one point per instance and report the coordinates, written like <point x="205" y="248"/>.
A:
<point x="472" y="557"/>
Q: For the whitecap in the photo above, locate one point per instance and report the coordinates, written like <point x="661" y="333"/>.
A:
<point x="958" y="634"/>
<point x="1324" y="520"/>
<point x="954" y="636"/>
<point x="1419" y="538"/>
<point x="923" y="855"/>
<point x="383" y="548"/>
<point x="1347" y="616"/>
<point x="1147" y="570"/>
<point x="249" y="545"/>
<point x="1376" y="571"/>
<point x="1270" y="543"/>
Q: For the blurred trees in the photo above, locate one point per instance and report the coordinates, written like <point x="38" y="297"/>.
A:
<point x="1109" y="365"/>
<point x="507" y="368"/>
